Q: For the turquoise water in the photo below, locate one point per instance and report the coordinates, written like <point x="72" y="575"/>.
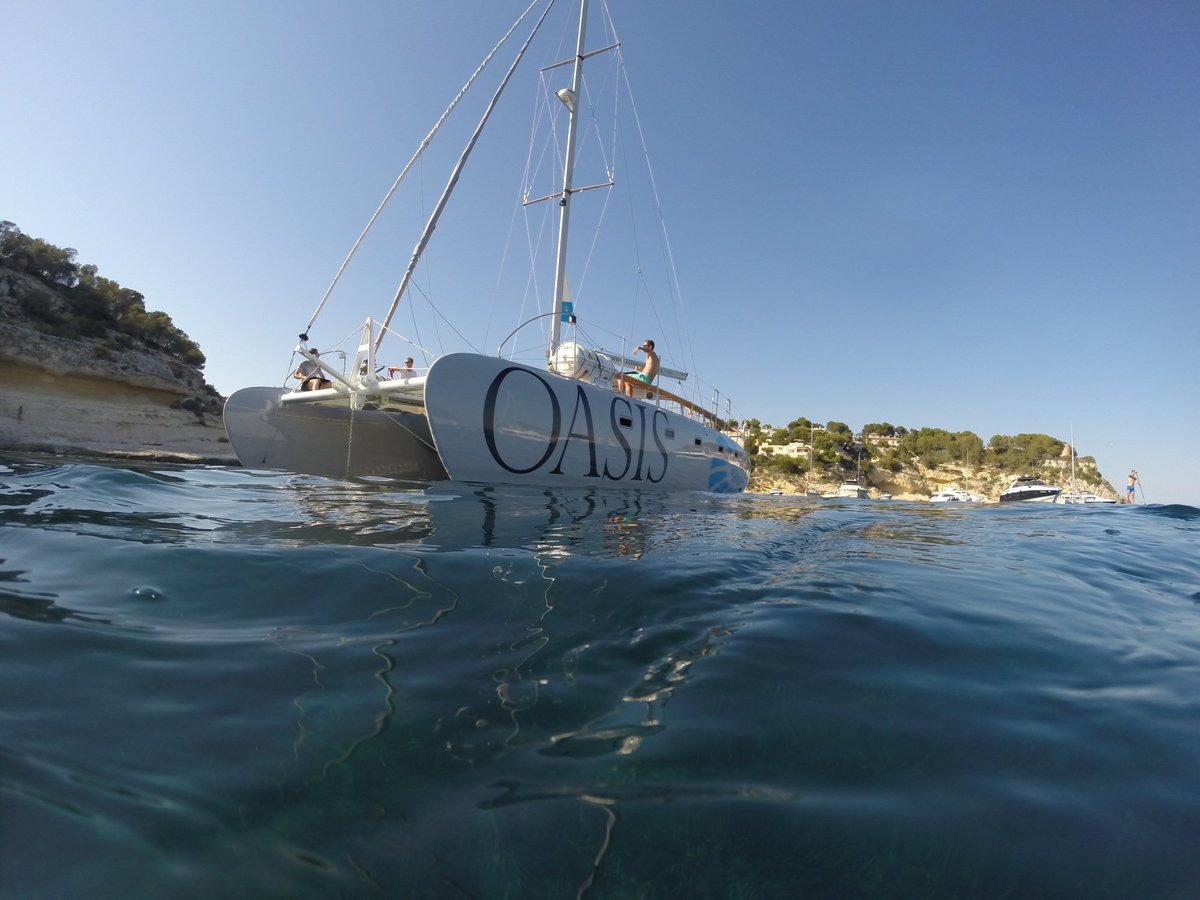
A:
<point x="218" y="683"/>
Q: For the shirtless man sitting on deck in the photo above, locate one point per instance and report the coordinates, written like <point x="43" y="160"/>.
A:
<point x="648" y="370"/>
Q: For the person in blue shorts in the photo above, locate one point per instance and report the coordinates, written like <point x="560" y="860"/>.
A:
<point x="647" y="372"/>
<point x="1131" y="487"/>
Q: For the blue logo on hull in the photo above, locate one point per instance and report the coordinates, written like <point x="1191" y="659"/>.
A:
<point x="724" y="478"/>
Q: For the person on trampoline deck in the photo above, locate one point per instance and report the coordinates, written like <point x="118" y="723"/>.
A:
<point x="648" y="370"/>
<point x="309" y="373"/>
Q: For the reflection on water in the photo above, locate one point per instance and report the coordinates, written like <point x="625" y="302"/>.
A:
<point x="427" y="664"/>
<point x="543" y="521"/>
<point x="37" y="608"/>
<point x="533" y="679"/>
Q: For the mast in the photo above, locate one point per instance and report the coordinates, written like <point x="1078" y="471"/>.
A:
<point x="570" y="98"/>
<point x="1074" y="490"/>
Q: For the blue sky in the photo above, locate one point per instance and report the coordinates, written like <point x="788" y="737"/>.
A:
<point x="973" y="216"/>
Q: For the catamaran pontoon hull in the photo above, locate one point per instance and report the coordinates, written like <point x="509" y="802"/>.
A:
<point x="498" y="421"/>
<point x="329" y="437"/>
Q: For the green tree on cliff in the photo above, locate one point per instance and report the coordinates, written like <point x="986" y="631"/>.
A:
<point x="1021" y="452"/>
<point x="92" y="306"/>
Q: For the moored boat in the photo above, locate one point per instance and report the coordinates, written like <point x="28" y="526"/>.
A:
<point x="850" y="489"/>
<point x="1028" y="489"/>
<point x="582" y="419"/>
<point x="954" y="495"/>
<point x="1085" y="498"/>
<point x="1075" y="496"/>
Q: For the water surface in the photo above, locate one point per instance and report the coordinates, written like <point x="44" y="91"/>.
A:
<point x="226" y="683"/>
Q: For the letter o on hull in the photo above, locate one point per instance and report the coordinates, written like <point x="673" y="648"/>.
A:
<point x="520" y="403"/>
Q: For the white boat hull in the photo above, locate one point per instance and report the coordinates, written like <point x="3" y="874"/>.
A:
<point x="1028" y="489"/>
<point x="490" y="421"/>
<point x="495" y="421"/>
<point x="849" y="491"/>
<point x="1030" y="496"/>
<point x="1082" y="499"/>
<point x="955" y="496"/>
<point x="329" y="438"/>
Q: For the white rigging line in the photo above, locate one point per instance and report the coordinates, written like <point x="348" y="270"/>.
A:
<point x="420" y="150"/>
<point x="662" y="224"/>
<point x="454" y="176"/>
<point x="591" y="136"/>
<point x="531" y="174"/>
<point x="540" y="106"/>
<point x="541" y="153"/>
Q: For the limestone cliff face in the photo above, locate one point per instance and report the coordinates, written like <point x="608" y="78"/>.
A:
<point x="95" y="396"/>
<point x="142" y="368"/>
<point x="918" y="482"/>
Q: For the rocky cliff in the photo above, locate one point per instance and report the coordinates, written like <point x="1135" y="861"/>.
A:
<point x="99" y="395"/>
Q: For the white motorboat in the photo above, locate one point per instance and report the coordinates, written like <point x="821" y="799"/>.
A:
<point x="576" y="420"/>
<point x="1085" y="498"/>
<point x="850" y="489"/>
<point x="1028" y="489"/>
<point x="954" y="495"/>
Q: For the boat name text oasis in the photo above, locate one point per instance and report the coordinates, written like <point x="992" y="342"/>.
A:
<point x="635" y="463"/>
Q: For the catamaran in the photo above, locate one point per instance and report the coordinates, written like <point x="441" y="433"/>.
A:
<point x="579" y="420"/>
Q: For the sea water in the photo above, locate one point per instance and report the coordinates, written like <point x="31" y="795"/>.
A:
<point x="223" y="683"/>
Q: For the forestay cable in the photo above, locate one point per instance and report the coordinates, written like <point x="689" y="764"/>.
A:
<point x="454" y="176"/>
<point x="420" y="149"/>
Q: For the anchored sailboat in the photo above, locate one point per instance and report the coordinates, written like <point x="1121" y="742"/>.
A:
<point x="1076" y="496"/>
<point x="581" y="420"/>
